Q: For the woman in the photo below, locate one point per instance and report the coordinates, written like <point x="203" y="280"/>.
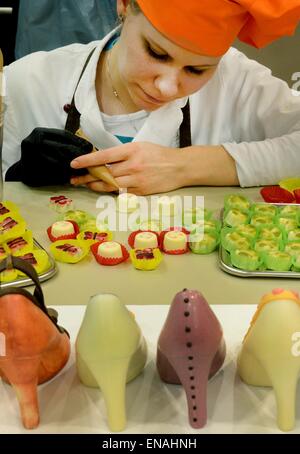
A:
<point x="245" y="124"/>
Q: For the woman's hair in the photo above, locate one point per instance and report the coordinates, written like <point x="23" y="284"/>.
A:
<point x="135" y="7"/>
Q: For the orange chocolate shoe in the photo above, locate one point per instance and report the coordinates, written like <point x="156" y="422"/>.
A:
<point x="33" y="348"/>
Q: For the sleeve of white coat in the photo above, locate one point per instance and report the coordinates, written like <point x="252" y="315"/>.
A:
<point x="268" y="111"/>
<point x="11" y="151"/>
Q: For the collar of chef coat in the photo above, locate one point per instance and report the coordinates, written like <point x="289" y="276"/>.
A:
<point x="161" y="126"/>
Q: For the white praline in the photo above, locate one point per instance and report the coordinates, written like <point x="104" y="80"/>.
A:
<point x="110" y="249"/>
<point x="127" y="202"/>
<point x="61" y="228"/>
<point x="175" y="240"/>
<point x="145" y="240"/>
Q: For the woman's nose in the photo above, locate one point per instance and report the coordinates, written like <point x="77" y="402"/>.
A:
<point x="167" y="84"/>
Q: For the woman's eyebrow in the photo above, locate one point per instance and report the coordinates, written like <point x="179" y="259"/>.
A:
<point x="166" y="54"/>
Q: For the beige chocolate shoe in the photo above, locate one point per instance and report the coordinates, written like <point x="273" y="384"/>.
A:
<point x="270" y="354"/>
<point x="110" y="352"/>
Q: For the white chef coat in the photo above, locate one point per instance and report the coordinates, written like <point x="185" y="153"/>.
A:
<point x="254" y="115"/>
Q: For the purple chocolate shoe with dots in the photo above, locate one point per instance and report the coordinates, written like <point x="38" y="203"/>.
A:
<point x="190" y="350"/>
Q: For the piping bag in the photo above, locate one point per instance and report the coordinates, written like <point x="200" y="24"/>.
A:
<point x="100" y="172"/>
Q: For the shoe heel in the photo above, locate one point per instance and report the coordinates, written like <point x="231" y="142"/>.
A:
<point x="191" y="350"/>
<point x="110" y="352"/>
<point x="111" y="378"/>
<point x="26" y="390"/>
<point x="285" y="388"/>
<point x="194" y="381"/>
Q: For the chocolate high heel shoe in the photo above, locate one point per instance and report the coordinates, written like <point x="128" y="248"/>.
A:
<point x="110" y="352"/>
<point x="33" y="347"/>
<point x="270" y="355"/>
<point x="190" y="350"/>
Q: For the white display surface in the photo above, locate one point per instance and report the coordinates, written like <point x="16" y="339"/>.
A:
<point x="153" y="407"/>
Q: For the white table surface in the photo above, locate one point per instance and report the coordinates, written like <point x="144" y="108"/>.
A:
<point x="153" y="407"/>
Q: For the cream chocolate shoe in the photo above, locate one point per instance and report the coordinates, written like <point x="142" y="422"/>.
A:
<point x="270" y="354"/>
<point x="110" y="352"/>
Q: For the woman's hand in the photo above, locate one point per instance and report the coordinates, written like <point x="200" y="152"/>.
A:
<point x="140" y="167"/>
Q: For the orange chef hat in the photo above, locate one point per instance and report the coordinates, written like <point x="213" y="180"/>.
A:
<point x="209" y="27"/>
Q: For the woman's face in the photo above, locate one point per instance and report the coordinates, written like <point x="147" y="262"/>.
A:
<point x="153" y="70"/>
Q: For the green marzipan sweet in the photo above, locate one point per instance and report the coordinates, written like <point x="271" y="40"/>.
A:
<point x="278" y="261"/>
<point x="204" y="244"/>
<point x="245" y="259"/>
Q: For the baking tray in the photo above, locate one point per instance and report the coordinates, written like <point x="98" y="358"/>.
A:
<point x="225" y="265"/>
<point x="25" y="281"/>
<point x="225" y="262"/>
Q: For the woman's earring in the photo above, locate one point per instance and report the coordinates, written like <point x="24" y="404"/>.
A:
<point x="121" y="18"/>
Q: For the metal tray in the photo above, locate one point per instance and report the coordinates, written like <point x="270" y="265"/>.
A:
<point x="225" y="265"/>
<point x="25" y="281"/>
<point x="225" y="262"/>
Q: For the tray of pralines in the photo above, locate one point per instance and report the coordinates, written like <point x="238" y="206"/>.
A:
<point x="259" y="239"/>
<point x="48" y="271"/>
<point x="16" y="239"/>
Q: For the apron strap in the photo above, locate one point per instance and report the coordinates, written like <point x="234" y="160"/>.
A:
<point x="185" y="138"/>
<point x="73" y="118"/>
